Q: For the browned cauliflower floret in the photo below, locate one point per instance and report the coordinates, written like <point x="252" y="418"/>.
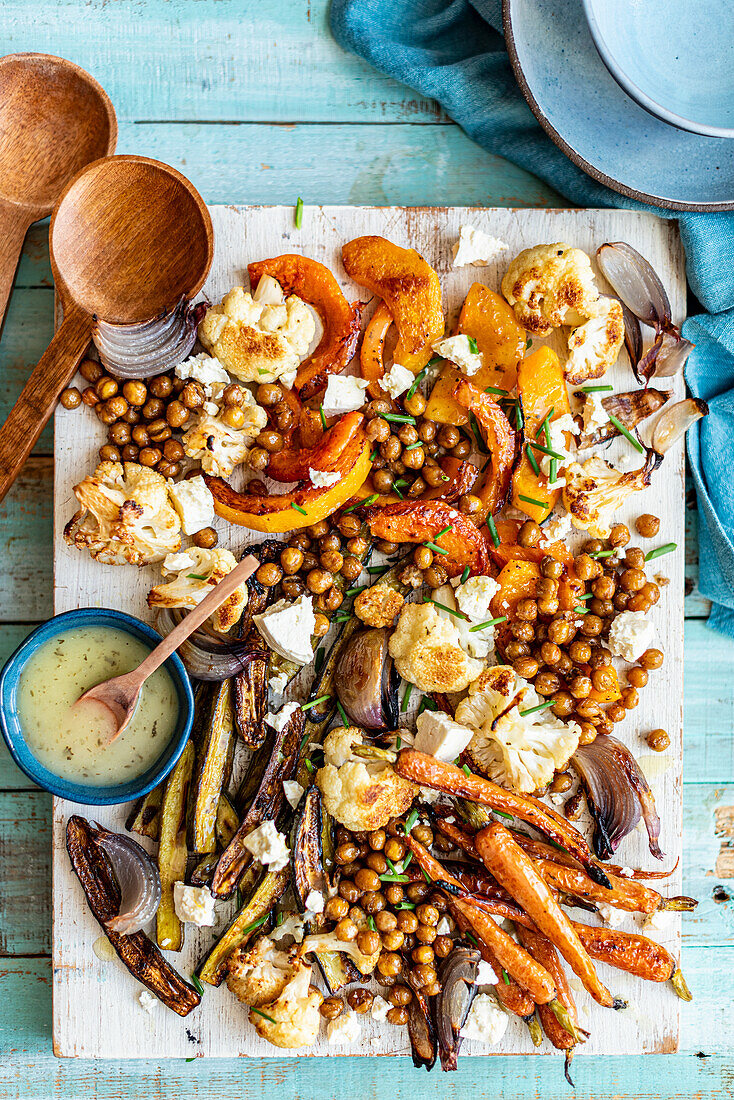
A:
<point x="328" y="941"/>
<point x="427" y="651"/>
<point x="360" y="794"/>
<point x="378" y="605"/>
<point x="217" y="446"/>
<point x="550" y="285"/>
<point x="258" y="337"/>
<point x="293" y="1018"/>
<point x="594" y="492"/>
<point x="196" y="571"/>
<point x="125" y="515"/>
<point x="594" y="346"/>
<point x="259" y="974"/>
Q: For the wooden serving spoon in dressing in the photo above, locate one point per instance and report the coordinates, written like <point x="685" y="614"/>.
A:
<point x="54" y="119"/>
<point x="116" y="699"/>
<point x="129" y="238"/>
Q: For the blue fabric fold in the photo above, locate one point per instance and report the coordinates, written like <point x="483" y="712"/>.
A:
<point x="454" y="52"/>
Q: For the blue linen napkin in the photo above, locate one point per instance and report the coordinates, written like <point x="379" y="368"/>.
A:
<point x="454" y="52"/>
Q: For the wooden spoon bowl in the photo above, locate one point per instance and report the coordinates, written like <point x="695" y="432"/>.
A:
<point x="129" y="238"/>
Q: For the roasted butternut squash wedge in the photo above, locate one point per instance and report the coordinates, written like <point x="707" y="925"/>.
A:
<point x="517" y="582"/>
<point x="409" y="287"/>
<point x="293" y="465"/>
<point x="371" y="356"/>
<point x="541" y="387"/>
<point x="419" y="521"/>
<point x="500" y="438"/>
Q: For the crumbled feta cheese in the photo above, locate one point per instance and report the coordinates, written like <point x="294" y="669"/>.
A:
<point x="278" y="682"/>
<point x="557" y="799"/>
<point x="291" y="925"/>
<point x="486" y="1021"/>
<point x="474" y="596"/>
<point x="626" y="872"/>
<point x="314" y="902"/>
<point x="440" y="736"/>
<point x="380" y="1008"/>
<point x="269" y="292"/>
<point x="486" y="974"/>
<point x="344" y="1029"/>
<point x="288" y="378"/>
<point x="558" y="527"/>
<point x="595" y="415"/>
<point x="211" y="408"/>
<point x="611" y="916"/>
<point x="558" y="428"/>
<point x="174" y="563"/>
<point x="322" y="479"/>
<point x="661" y="920"/>
<point x="280" y="719"/>
<point x="293" y="792"/>
<point x="205" y="369"/>
<point x="193" y="904"/>
<point x="428" y="795"/>
<point x="287" y="628"/>
<point x="459" y="351"/>
<point x="343" y="394"/>
<point x="397" y="380"/>
<point x="445" y="926"/>
<point x="630" y="634"/>
<point x="268" y="846"/>
<point x="148" y="1001"/>
<point x="193" y="502"/>
<point x="476" y="248"/>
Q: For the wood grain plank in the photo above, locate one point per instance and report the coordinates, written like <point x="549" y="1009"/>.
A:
<point x="25" y="542"/>
<point x="26" y="335"/>
<point x="25" y="856"/>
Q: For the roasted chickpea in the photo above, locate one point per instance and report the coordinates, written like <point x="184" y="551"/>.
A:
<point x="390" y="965"/>
<point x="637" y="677"/>
<point x="523" y="631"/>
<point x="591" y="626"/>
<point x="346" y="930"/>
<point x="119" y="433"/>
<point x="546" y="588"/>
<point x="551" y="568"/>
<point x="638" y="602"/>
<point x="271" y="440"/>
<point x="427" y="431"/>
<point x="529" y="533"/>
<point x="91" y="370"/>
<point x="407" y="920"/>
<point x="658" y="740"/>
<point x="397" y="1015"/>
<point x="428" y="914"/>
<point x="282" y="416"/>
<point x="378" y="407"/>
<point x="269" y="574"/>
<point x="192" y="396"/>
<point x="546" y="683"/>
<point x="130" y="453"/>
<point x="347" y="852"/>
<point x="71" y="398"/>
<point x="176" y="414"/>
<point x="393" y="941"/>
<point x="434" y="476"/>
<point x="632" y="580"/>
<point x="560" y="631"/>
<point x="168" y="469"/>
<point x="588" y="708"/>
<point x="417" y="892"/>
<point x="413" y="457"/>
<point x="332" y="560"/>
<point x="336" y="908"/>
<point x="257" y="488"/>
<point x="563" y="704"/>
<point x="603" y="587"/>
<point x="106" y="387"/>
<point x="161" y="386"/>
<point x="580" y="687"/>
<point x="268" y="394"/>
<point x="630" y="698"/>
<point x="647" y="525"/>
<point x="550" y="653"/>
<point x="321" y="625"/>
<point x="621" y="600"/>
<point x="207" y="538"/>
<point x="132" y="416"/>
<point x="423" y="557"/>
<point x="588" y="733"/>
<point x="158" y="430"/>
<point x="443" y="946"/>
<point x="462" y="449"/>
<point x="548" y="605"/>
<point x="348" y="891"/>
<point x="310" y="561"/>
<point x="515" y="650"/>
<point x="585" y="567"/>
<point x="615" y="712"/>
<point x="150" y="456"/>
<point x="423" y="954"/>
<point x="527" y="609"/>
<point x="619" y="535"/>
<point x="108" y="453"/>
<point x="526" y="666"/>
<point x="603" y="608"/>
<point x="600" y="657"/>
<point x="368" y="941"/>
<point x="562" y="782"/>
<point x="400" y="995"/>
<point x="367" y="880"/>
<point x="331" y="1008"/>
<point x="651" y="659"/>
<point x="604" y="678"/>
<point x="407" y="434"/>
<point x="291" y="559"/>
<point x="319" y="581"/>
<point x="564" y="665"/>
<point x="634" y="558"/>
<point x="415" y="405"/>
<point x="90" y="396"/>
<point x="435" y="575"/>
<point x="448" y="436"/>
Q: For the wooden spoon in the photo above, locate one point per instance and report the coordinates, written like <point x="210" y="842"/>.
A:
<point x="117" y="698"/>
<point x="129" y="238"/>
<point x="54" y="119"/>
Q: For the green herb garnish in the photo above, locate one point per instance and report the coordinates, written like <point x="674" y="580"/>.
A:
<point x="597" y="389"/>
<point x="436" y="549"/>
<point x="465" y="575"/>
<point x="297" y="508"/>
<point x="321" y="414"/>
<point x="196" y="576"/>
<point x="495" y="389"/>
<point x="319" y="658"/>
<point x="255" y="924"/>
<point x="299" y="212"/>
<point x="259" y="1012"/>
<point x="532" y="460"/>
<point x="626" y="433"/>
<point x="505" y="977"/>
<point x="473" y="346"/>
<point x="540" y="706"/>
<point x="398" y="418"/>
<point x="410" y="821"/>
<point x="489" y="622"/>
<point x="546" y="451"/>
<point x="406" y="697"/>
<point x="658" y="553"/>
<point x="466" y="769"/>
<point x="532" y="500"/>
<point x="315" y="702"/>
<point x="493" y="530"/>
<point x="448" y="610"/>
<point x="418" y="379"/>
<point x="342" y="714"/>
<point x="197" y="985"/>
<point x="371" y="924"/>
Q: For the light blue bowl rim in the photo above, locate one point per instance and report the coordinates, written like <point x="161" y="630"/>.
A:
<point x="13" y="735"/>
<point x="632" y="89"/>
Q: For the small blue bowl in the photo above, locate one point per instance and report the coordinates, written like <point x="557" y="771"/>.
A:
<point x="13" y="733"/>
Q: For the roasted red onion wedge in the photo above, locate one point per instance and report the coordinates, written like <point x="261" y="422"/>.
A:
<point x="138" y="879"/>
<point x="421" y="1031"/>
<point x="675" y="421"/>
<point x="365" y="681"/>
<point x="632" y="336"/>
<point x="672" y="357"/>
<point x="458" y="990"/>
<point x="617" y="794"/>
<point x="637" y="284"/>
<point x="206" y="654"/>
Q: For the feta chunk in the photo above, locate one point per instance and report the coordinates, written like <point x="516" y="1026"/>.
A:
<point x="174" y="563"/>
<point x="344" y="1029"/>
<point x="148" y="1001"/>
<point x="595" y="415"/>
<point x="293" y="792"/>
<point x="445" y="926"/>
<point x="288" y="378"/>
<point x="193" y="904"/>
<point x="626" y="872"/>
<point x="476" y="248"/>
<point x="486" y="1021"/>
<point x="280" y="719"/>
<point x="558" y="528"/>
<point x="268" y="846"/>
<point x="205" y="369"/>
<point x="269" y="292"/>
<point x="630" y="634"/>
<point x="278" y="682"/>
<point x="486" y="974"/>
<point x="440" y="736"/>
<point x="459" y="351"/>
<point x="474" y="595"/>
<point x="314" y="902"/>
<point x="343" y="394"/>
<point x="611" y="916"/>
<point x="322" y="479"/>
<point x="558" y="428"/>
<point x="193" y="502"/>
<point x="428" y="795"/>
<point x="287" y="628"/>
<point x="380" y="1008"/>
<point x="660" y="921"/>
<point x="397" y="380"/>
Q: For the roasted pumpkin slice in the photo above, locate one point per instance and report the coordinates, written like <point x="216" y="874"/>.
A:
<point x="419" y="521"/>
<point x="409" y="287"/>
<point x="500" y="438"/>
<point x="371" y="356"/>
<point x="316" y="285"/>
<point x="541" y="387"/>
<point x="294" y="465"/>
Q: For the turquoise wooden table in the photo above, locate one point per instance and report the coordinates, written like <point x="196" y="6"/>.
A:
<point x="256" y="104"/>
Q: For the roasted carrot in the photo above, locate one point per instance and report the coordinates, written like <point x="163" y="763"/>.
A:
<point x="463" y="840"/>
<point x="514" y="870"/>
<point x="544" y="952"/>
<point x="626" y="951"/>
<point x="430" y="772"/>
<point x="510" y="995"/>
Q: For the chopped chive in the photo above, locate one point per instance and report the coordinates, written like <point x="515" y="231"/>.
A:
<point x="426" y="876"/>
<point x="410" y="821"/>
<point x="196" y="576"/>
<point x="532" y="460"/>
<point x="299" y="213"/>
<point x="262" y="370"/>
<point x="238" y="895"/>
<point x="370" y="500"/>
<point x="406" y="861"/>
<point x="528" y="344"/>
<point x="341" y="618"/>
<point x="401" y="482"/>
<point x="445" y="531"/>
<point x="519" y="419"/>
<point x="373" y="456"/>
<point x="255" y="924"/>
<point x="297" y="508"/>
<point x="398" y="742"/>
<point x="342" y="714"/>
<point x="190" y="1059"/>
<point x="537" y="503"/>
<point x="197" y="984"/>
<point x="399" y="418"/>
<point x="553" y="475"/>
<point x="473" y="346"/>
<point x="547" y="451"/>
<point x="481" y="447"/>
<point x="427" y="704"/>
<point x="597" y="389"/>
<point x="505" y="977"/>
<point x="660" y="550"/>
<point x="435" y="548"/>
<point x="279" y="919"/>
<point x="352" y="508"/>
<point x="371" y="923"/>
<point x="259" y="1012"/>
<point x="602" y="553"/>
<point x="319" y="658"/>
<point x="540" y="706"/>
<point x="493" y="530"/>
<point x="304" y="739"/>
<point x="449" y="610"/>
<point x="405" y="905"/>
<point x="547" y="430"/>
<point x="397" y="491"/>
<point x="626" y="433"/>
<point x="376" y="569"/>
<point x="412" y="446"/>
<point x="354" y="591"/>
<point x="394" y="878"/>
<point x="489" y="622"/>
<point x="465" y="575"/>
<point x="310" y="767"/>
<point x="418" y="379"/>
<point x="321" y="414"/>
<point x="581" y="610"/>
<point x="435" y="360"/>
<point x="406" y="697"/>
<point x="315" y="702"/>
<point x="472" y="939"/>
<point x="502" y="813"/>
<point x="588" y="596"/>
<point x="495" y="389"/>
<point x="466" y="769"/>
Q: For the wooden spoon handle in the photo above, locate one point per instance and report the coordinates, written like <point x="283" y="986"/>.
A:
<point x="33" y="408"/>
<point x="197" y="616"/>
<point x="14" y="224"/>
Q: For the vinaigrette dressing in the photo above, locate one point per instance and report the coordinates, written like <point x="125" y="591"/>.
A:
<point x="71" y="743"/>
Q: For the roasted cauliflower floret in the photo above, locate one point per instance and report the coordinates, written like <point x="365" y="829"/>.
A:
<point x="328" y="941"/>
<point x="259" y="974"/>
<point x="594" y="492"/>
<point x="377" y="606"/>
<point x="427" y="651"/>
<point x="258" y="337"/>
<point x="360" y="794"/>
<point x="220" y="448"/>
<point x="293" y="1018"/>
<point x="518" y="751"/>
<point x="196" y="571"/>
<point x="125" y="516"/>
<point x="551" y="285"/>
<point x="594" y="346"/>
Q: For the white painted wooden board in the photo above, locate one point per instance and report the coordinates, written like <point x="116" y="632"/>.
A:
<point x="96" y="1013"/>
